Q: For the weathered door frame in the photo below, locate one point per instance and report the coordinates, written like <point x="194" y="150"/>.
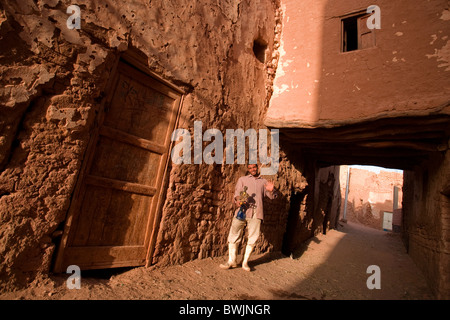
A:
<point x="137" y="61"/>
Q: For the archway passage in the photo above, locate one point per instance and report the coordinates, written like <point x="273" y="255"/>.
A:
<point x="417" y="145"/>
<point x="372" y="196"/>
<point x="402" y="142"/>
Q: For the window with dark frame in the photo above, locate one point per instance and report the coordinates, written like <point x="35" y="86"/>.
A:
<point x="355" y="33"/>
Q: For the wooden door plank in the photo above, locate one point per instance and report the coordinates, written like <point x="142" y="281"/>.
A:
<point x="153" y="222"/>
<point x="136" y="232"/>
<point x="132" y="140"/>
<point x="92" y="213"/>
<point x="120" y="185"/>
<point x="99" y="257"/>
<point x="139" y="110"/>
<point x="120" y="228"/>
<point x="118" y="161"/>
<point x="150" y="81"/>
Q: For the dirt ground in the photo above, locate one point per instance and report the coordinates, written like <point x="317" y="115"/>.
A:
<point x="331" y="266"/>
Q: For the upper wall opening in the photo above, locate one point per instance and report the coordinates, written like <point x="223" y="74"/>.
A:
<point x="355" y="33"/>
<point x="259" y="49"/>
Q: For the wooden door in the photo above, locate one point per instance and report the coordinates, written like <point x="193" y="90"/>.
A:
<point x="387" y="221"/>
<point x="110" y="221"/>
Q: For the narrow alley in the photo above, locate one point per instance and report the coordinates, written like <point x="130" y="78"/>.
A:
<point x="332" y="266"/>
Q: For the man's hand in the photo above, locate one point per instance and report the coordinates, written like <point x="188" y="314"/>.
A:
<point x="269" y="186"/>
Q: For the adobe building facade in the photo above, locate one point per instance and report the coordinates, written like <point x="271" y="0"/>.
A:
<point x="373" y="198"/>
<point x="86" y="117"/>
<point x="86" y="176"/>
<point x="347" y="94"/>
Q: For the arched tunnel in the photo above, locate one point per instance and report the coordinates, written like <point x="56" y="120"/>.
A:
<point x="347" y="93"/>
<point x="416" y="145"/>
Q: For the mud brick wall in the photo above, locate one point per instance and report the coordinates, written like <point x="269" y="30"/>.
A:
<point x="51" y="89"/>
<point x="318" y="85"/>
<point x="205" y="197"/>
<point x="426" y="221"/>
<point x="53" y="84"/>
<point x="313" y="202"/>
<point x="370" y="195"/>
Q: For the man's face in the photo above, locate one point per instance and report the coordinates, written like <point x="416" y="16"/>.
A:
<point x="253" y="169"/>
